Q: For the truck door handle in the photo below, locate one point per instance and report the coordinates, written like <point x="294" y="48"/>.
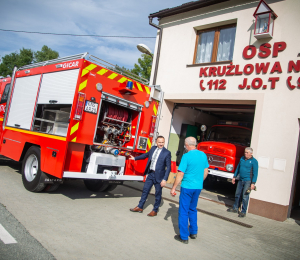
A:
<point x="52" y="101"/>
<point x="17" y="125"/>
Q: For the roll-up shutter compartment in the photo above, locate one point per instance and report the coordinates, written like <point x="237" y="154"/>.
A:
<point x="58" y="87"/>
<point x="23" y="101"/>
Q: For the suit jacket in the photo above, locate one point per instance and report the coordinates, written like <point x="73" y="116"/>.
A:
<point x="163" y="163"/>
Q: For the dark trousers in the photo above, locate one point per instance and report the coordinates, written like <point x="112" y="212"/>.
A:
<point x="241" y="195"/>
<point x="150" y="181"/>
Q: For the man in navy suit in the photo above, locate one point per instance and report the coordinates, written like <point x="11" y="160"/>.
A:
<point x="157" y="170"/>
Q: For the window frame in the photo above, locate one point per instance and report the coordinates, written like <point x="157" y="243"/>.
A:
<point x="215" y="44"/>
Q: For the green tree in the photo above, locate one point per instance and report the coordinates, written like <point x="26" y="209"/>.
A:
<point x="15" y="59"/>
<point x="25" y="57"/>
<point x="143" y="68"/>
<point x="45" y="54"/>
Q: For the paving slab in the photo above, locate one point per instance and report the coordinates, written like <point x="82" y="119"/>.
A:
<point x="74" y="223"/>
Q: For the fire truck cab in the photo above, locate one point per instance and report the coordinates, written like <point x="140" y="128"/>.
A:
<point x="4" y="90"/>
<point x="224" y="146"/>
<point x="78" y="117"/>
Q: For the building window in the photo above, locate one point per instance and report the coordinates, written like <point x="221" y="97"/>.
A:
<point x="215" y="44"/>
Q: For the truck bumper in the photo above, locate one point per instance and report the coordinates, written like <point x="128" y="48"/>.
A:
<point x="108" y="175"/>
<point x="227" y="175"/>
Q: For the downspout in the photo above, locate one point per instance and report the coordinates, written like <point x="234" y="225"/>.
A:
<point x="158" y="49"/>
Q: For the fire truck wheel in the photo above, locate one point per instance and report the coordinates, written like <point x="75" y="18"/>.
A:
<point x="111" y="187"/>
<point x="96" y="185"/>
<point x="31" y="170"/>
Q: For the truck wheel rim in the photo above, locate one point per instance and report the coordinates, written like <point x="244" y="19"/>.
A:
<point x="31" y="167"/>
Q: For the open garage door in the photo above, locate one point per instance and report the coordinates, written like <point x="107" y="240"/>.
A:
<point x="228" y="132"/>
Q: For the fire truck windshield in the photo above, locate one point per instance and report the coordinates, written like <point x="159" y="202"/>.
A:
<point x="230" y="135"/>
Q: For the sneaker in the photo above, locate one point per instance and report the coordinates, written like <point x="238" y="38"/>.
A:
<point x="242" y="215"/>
<point x="178" y="238"/>
<point x="232" y="210"/>
<point x="193" y="236"/>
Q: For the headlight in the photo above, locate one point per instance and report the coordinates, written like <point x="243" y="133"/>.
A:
<point x="229" y="167"/>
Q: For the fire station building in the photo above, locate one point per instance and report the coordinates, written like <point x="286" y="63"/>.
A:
<point x="235" y="61"/>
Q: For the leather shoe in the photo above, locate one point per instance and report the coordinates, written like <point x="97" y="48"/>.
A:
<point x="178" y="238"/>
<point x="137" y="209"/>
<point x="152" y="214"/>
<point x="193" y="236"/>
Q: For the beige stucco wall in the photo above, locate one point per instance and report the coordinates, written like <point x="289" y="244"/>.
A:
<point x="276" y="127"/>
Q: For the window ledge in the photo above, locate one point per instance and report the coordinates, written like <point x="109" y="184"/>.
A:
<point x="209" y="63"/>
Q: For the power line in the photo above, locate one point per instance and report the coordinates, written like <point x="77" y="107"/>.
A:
<point x="78" y="35"/>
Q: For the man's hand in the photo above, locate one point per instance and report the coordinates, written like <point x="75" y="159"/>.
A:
<point x="163" y="183"/>
<point x="233" y="180"/>
<point x="252" y="186"/>
<point x="172" y="192"/>
<point x="131" y="157"/>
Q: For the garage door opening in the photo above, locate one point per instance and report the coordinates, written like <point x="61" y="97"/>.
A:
<point x="223" y="131"/>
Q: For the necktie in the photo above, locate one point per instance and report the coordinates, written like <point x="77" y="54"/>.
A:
<point x="154" y="158"/>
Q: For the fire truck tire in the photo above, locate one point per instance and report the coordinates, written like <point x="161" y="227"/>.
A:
<point x="31" y="170"/>
<point x="111" y="187"/>
<point x="51" y="187"/>
<point x="96" y="185"/>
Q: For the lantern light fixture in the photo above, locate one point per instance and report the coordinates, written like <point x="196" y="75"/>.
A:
<point x="264" y="21"/>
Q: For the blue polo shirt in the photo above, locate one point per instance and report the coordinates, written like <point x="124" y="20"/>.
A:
<point x="192" y="165"/>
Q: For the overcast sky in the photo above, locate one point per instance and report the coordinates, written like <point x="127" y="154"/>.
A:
<point x="99" y="17"/>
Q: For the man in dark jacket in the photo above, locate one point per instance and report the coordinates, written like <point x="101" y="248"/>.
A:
<point x="247" y="171"/>
<point x="157" y="170"/>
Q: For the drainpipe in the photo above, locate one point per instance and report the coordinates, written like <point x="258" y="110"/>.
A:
<point x="158" y="49"/>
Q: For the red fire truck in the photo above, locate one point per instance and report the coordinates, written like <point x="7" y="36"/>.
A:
<point x="78" y="117"/>
<point x="4" y="90"/>
<point x="224" y="147"/>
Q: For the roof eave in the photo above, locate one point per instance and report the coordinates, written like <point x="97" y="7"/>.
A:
<point x="185" y="8"/>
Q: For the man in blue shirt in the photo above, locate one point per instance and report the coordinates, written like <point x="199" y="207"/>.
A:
<point x="247" y="171"/>
<point x="192" y="171"/>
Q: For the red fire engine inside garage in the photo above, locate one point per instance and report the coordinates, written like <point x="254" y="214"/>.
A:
<point x="223" y="131"/>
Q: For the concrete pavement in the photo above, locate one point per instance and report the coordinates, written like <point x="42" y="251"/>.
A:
<point x="74" y="223"/>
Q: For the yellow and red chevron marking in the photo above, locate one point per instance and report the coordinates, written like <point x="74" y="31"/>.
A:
<point x="114" y="76"/>
<point x="73" y="132"/>
<point x="81" y="88"/>
<point x="149" y="145"/>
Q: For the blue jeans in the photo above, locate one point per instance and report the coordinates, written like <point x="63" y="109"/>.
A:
<point x="150" y="181"/>
<point x="188" y="201"/>
<point x="240" y="193"/>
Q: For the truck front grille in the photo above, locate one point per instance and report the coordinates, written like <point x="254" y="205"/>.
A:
<point x="219" y="150"/>
<point x="203" y="148"/>
<point x="215" y="160"/>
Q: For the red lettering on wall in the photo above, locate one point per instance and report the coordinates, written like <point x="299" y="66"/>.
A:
<point x="201" y="85"/>
<point x="237" y="72"/>
<point x="242" y="86"/>
<point x="264" y="50"/>
<point x="212" y="71"/>
<point x="276" y="67"/>
<point x="222" y="85"/>
<point x="229" y="72"/>
<point x="262" y="67"/>
<point x="293" y="66"/>
<point x="203" y="72"/>
<point x="257" y="83"/>
<point x="252" y="50"/>
<point x="273" y="82"/>
<point x="248" y="69"/>
<point x="278" y="46"/>
<point x="223" y="70"/>
<point x="288" y="81"/>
